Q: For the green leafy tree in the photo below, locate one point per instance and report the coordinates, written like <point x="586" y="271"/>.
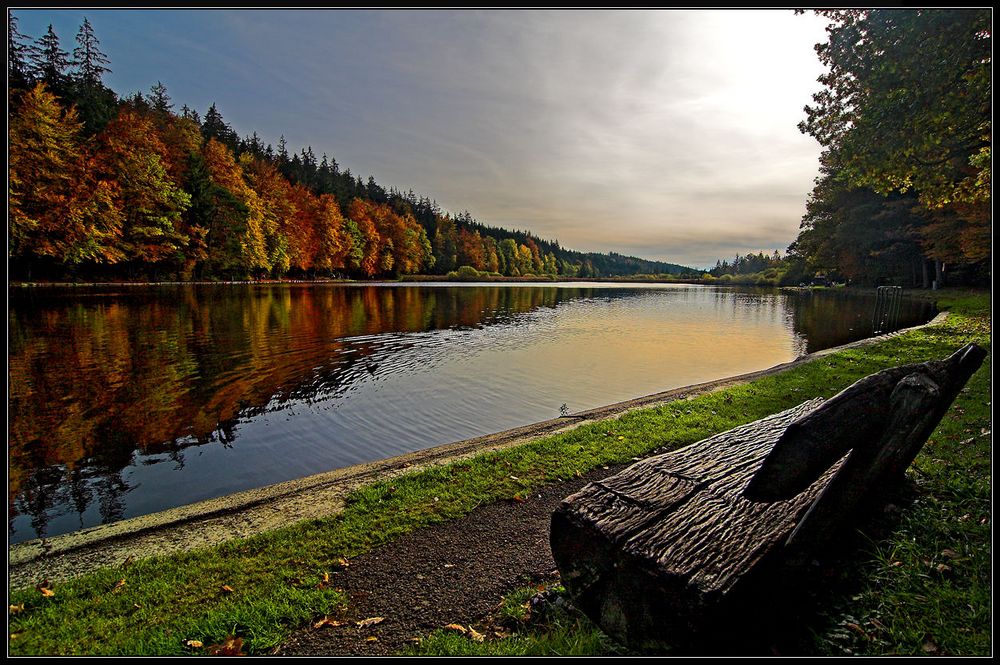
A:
<point x="907" y="108"/>
<point x="856" y="233"/>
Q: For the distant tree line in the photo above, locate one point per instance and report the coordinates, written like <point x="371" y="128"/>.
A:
<point x="760" y="269"/>
<point x="102" y="185"/>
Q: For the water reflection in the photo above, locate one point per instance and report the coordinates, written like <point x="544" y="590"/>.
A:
<point x="114" y="393"/>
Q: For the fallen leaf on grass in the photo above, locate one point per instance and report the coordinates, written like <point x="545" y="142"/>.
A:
<point x="15" y="609"/>
<point x="371" y="638"/>
<point x="371" y="621"/>
<point x="227" y="589"/>
<point x="48" y="593"/>
<point x="343" y="563"/>
<point x="231" y="646"/>
<point x="193" y="644"/>
<point x="457" y="627"/>
<point x="950" y="553"/>
<point x="477" y="636"/>
<point x="119" y="586"/>
<point x="327" y="621"/>
<point x="518" y="498"/>
<point x="942" y="568"/>
<point x="14" y="636"/>
<point x="857" y="629"/>
<point x="930" y="647"/>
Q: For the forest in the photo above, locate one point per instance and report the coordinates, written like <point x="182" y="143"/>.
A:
<point x="109" y="187"/>
<point x="904" y="118"/>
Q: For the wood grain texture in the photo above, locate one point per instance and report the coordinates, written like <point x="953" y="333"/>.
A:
<point x="666" y="546"/>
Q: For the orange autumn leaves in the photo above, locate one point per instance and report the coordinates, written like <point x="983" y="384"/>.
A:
<point x="149" y="192"/>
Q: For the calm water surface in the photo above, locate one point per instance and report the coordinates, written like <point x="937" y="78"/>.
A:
<point x="128" y="400"/>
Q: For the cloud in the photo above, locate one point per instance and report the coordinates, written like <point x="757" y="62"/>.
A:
<point x="671" y="134"/>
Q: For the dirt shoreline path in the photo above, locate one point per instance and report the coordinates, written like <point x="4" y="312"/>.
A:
<point x="255" y="511"/>
<point x="455" y="572"/>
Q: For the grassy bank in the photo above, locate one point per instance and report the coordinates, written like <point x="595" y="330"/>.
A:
<point x="260" y="589"/>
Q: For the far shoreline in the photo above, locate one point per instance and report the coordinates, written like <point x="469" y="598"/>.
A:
<point x="439" y="279"/>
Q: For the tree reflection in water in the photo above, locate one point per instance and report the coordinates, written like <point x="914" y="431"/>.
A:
<point x="105" y="379"/>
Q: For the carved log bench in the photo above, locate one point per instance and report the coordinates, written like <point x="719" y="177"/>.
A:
<point x="662" y="548"/>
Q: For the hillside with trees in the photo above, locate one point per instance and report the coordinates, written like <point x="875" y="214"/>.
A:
<point x="101" y="186"/>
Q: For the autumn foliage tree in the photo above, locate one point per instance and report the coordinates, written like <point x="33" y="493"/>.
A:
<point x="58" y="206"/>
<point x="97" y="181"/>
<point x="130" y="154"/>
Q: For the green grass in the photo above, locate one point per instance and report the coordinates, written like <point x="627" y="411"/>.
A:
<point x="524" y="630"/>
<point x="276" y="577"/>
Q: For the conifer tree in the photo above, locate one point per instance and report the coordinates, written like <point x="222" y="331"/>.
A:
<point x="49" y="62"/>
<point x="88" y="59"/>
<point x="18" y="52"/>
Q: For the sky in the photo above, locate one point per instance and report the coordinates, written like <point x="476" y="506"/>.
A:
<point x="664" y="134"/>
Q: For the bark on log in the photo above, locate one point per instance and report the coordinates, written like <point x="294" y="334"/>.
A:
<point x="857" y="417"/>
<point x="665" y="547"/>
<point x="649" y="553"/>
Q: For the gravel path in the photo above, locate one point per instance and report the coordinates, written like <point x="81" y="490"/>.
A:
<point x="456" y="572"/>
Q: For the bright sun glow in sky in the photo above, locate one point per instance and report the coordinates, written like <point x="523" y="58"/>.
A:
<point x="664" y="134"/>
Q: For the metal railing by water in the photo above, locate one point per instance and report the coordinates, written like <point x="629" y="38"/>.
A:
<point x="888" y="302"/>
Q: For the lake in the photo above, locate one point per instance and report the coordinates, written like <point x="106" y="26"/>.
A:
<point x="126" y="400"/>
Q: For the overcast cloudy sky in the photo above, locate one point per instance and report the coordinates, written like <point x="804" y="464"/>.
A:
<point x="665" y="134"/>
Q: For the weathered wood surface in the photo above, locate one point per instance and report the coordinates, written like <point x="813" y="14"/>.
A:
<point x="918" y="402"/>
<point x="663" y="547"/>
<point x="859" y="418"/>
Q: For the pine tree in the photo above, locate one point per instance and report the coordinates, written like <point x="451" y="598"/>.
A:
<point x="49" y="63"/>
<point x="214" y="127"/>
<point x="97" y="104"/>
<point x="18" y="52"/>
<point x="159" y="99"/>
<point x="87" y="57"/>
